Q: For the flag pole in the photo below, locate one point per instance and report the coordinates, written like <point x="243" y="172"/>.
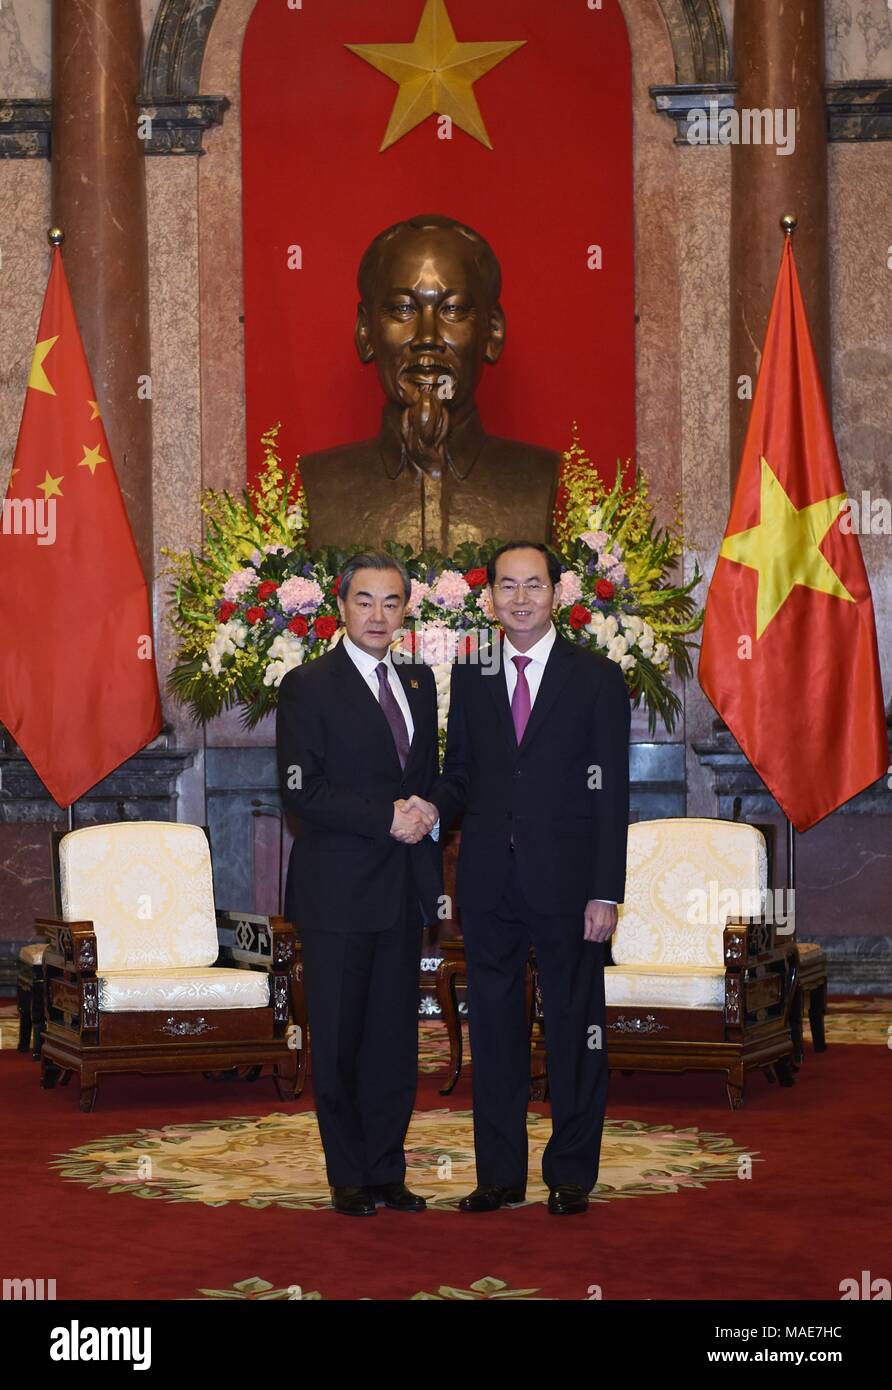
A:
<point x="789" y="222"/>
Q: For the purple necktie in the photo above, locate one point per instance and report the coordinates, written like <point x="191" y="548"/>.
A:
<point x="520" y="700"/>
<point x="393" y="713"/>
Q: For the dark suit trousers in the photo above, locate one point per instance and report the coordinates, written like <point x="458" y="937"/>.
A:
<point x="362" y="1002"/>
<point x="571" y="973"/>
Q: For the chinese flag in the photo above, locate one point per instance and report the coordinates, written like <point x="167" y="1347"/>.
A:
<point x="789" y="655"/>
<point x="78" y="685"/>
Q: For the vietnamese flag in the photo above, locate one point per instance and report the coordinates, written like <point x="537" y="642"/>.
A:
<point x="78" y="684"/>
<point x="789" y="655"/>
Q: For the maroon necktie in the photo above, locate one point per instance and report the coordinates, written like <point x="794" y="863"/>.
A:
<point x="393" y="713"/>
<point x="520" y="700"/>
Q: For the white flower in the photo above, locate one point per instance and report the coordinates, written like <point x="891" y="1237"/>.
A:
<point x="286" y="651"/>
<point x="295" y="518"/>
<point x="626" y="662"/>
<point x="617" y="647"/>
<point x="443" y="678"/>
<point x="227" y="637"/>
<point x="661" y="654"/>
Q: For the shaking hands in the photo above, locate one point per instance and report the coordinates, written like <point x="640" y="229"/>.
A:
<point x="413" y="819"/>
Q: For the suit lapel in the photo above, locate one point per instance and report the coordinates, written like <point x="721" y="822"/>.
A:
<point x="412" y="688"/>
<point x="555" y="676"/>
<point x="498" y="689"/>
<point x="367" y="705"/>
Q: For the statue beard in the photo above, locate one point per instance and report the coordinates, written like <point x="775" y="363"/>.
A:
<point x="424" y="427"/>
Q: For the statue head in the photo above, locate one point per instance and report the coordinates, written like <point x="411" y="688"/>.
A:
<point x="429" y="316"/>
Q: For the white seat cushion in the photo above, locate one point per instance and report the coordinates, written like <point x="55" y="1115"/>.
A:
<point x="674" y="987"/>
<point x="684" y="879"/>
<point x="183" y="988"/>
<point x="147" y="888"/>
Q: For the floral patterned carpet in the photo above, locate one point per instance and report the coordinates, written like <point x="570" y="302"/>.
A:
<point x="275" y="1160"/>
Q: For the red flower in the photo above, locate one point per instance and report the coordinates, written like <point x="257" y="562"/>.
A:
<point x="476" y="578"/>
<point x="266" y="588"/>
<point x="469" y="645"/>
<point x="225" y="611"/>
<point x="299" y="626"/>
<point x="255" y="615"/>
<point x="605" y="588"/>
<point x="409" y="641"/>
<point x="336" y="586"/>
<point x="325" y="627"/>
<point x="579" y="616"/>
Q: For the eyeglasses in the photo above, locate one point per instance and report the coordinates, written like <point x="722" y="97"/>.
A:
<point x="507" y="587"/>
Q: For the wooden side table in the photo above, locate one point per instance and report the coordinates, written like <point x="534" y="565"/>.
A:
<point x="451" y="971"/>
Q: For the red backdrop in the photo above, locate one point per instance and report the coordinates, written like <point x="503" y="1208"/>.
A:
<point x="559" y="179"/>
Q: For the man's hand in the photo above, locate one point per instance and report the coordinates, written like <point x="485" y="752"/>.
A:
<point x="412" y="820"/>
<point x="600" y="920"/>
<point x="427" y="810"/>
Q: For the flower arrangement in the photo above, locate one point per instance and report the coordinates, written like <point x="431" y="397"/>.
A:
<point x="256" y="602"/>
<point x="616" y="592"/>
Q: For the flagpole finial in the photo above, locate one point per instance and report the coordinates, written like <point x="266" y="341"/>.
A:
<point x="789" y="222"/>
<point x="55" y="236"/>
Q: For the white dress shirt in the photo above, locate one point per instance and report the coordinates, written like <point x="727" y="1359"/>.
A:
<point x="538" y="653"/>
<point x="367" y="666"/>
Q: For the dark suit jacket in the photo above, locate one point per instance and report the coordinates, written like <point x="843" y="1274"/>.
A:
<point x="346" y="872"/>
<point x="569" y="834"/>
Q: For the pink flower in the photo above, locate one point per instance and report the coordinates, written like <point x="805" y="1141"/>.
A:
<point x="570" y="589"/>
<point x="450" y="591"/>
<point x="484" y="603"/>
<point x="419" y="593"/>
<point x="438" y="643"/>
<point x="299" y="595"/>
<point x="595" y="540"/>
<point x="238" y="584"/>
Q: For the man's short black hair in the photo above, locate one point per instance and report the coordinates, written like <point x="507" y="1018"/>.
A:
<point x="551" y="560"/>
<point x="373" y="560"/>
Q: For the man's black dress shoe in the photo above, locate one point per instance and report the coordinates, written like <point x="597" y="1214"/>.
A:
<point x="567" y="1199"/>
<point x="353" y="1201"/>
<point x="397" y="1196"/>
<point x="491" y="1198"/>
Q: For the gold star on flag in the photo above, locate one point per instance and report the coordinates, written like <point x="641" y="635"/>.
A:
<point x="50" y="486"/>
<point x="435" y="73"/>
<point x="783" y="548"/>
<point x="91" y="458"/>
<point x="96" y="415"/>
<point x="38" y="379"/>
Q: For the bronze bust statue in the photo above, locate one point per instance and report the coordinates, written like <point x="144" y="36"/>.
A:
<point x="429" y="317"/>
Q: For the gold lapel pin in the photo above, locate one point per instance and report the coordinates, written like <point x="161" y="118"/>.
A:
<point x="414" y="685"/>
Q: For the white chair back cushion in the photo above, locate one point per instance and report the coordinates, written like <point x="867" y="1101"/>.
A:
<point x="147" y="888"/>
<point x="684" y="879"/>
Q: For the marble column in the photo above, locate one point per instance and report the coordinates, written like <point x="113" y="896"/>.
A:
<point x="99" y="200"/>
<point x="778" y="65"/>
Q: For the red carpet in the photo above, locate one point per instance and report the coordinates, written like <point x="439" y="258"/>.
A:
<point x="814" y="1212"/>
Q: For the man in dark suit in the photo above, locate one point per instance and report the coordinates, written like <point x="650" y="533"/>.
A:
<point x="537" y="758"/>
<point x="357" y="736"/>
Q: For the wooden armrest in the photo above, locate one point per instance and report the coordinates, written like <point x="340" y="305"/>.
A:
<point x="73" y="943"/>
<point x="251" y="939"/>
<point x="746" y="940"/>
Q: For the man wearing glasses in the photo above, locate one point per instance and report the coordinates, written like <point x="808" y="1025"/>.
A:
<point x="537" y="758"/>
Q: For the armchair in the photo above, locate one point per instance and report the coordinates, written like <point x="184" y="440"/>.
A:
<point x="143" y="975"/>
<point x="700" y="978"/>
